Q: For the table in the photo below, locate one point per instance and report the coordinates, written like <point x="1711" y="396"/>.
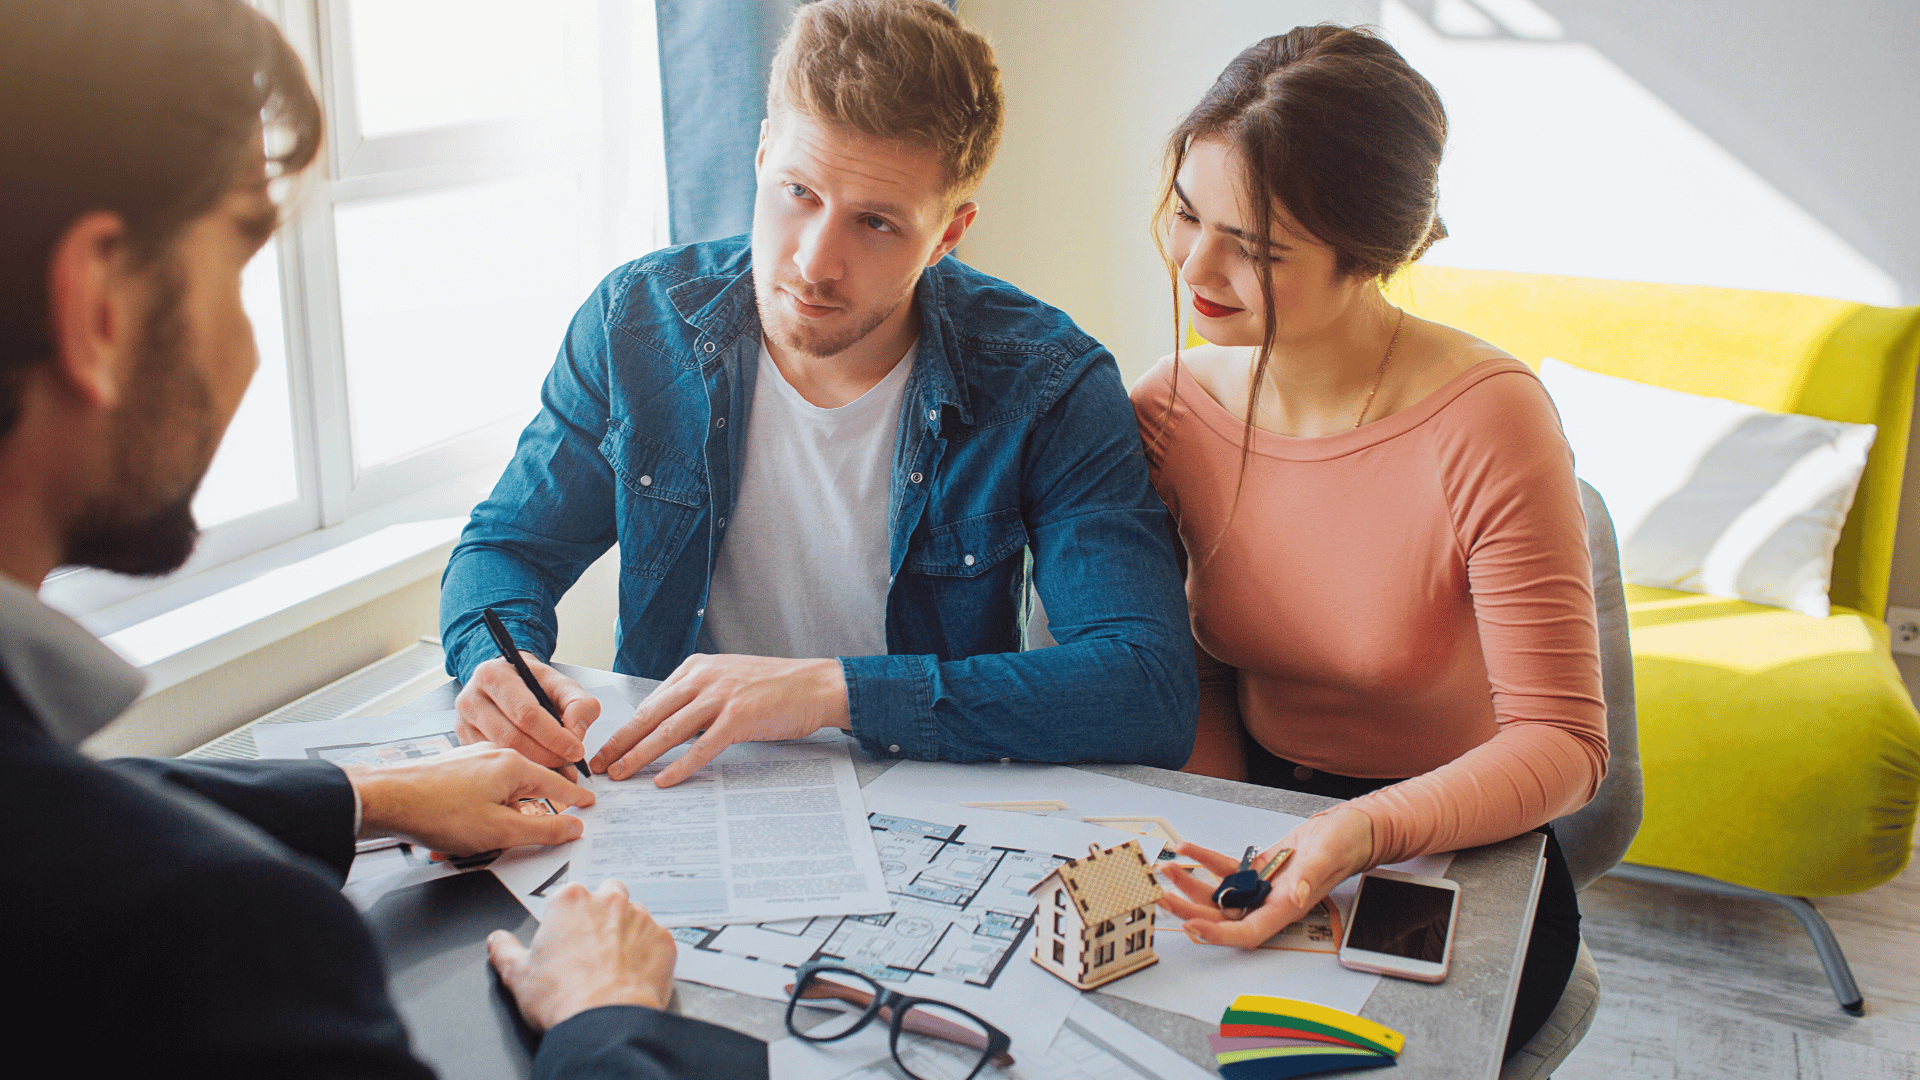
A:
<point x="1454" y="1029"/>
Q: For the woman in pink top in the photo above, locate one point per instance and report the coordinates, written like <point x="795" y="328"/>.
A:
<point x="1387" y="560"/>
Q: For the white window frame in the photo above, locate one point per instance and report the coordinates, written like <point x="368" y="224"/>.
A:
<point x="336" y="502"/>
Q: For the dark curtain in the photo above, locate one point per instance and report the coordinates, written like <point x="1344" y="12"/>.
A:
<point x="714" y="56"/>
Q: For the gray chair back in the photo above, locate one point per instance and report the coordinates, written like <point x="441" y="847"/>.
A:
<point x="1595" y="836"/>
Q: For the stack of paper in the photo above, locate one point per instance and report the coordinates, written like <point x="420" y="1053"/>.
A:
<point x="1269" y="1038"/>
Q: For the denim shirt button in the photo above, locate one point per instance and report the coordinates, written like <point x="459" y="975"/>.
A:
<point x="915" y="478"/>
<point x="894" y="749"/>
<point x="720" y="423"/>
<point x="708" y="347"/>
<point x="968" y="561"/>
<point x="646" y="481"/>
<point x="722" y="523"/>
<point x="934" y="415"/>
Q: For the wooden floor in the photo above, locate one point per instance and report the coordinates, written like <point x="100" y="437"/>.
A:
<point x="1702" y="986"/>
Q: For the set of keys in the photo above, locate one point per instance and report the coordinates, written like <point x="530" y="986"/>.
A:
<point x="1246" y="889"/>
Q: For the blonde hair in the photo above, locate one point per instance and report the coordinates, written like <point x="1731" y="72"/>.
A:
<point x="906" y="70"/>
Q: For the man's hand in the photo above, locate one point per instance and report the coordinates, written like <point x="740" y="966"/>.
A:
<point x="466" y="801"/>
<point x="733" y="699"/>
<point x="592" y="949"/>
<point x="1328" y="848"/>
<point x="496" y="707"/>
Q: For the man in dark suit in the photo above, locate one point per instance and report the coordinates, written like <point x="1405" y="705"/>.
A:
<point x="174" y="915"/>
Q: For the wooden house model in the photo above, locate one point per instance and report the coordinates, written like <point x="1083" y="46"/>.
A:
<point x="1094" y="919"/>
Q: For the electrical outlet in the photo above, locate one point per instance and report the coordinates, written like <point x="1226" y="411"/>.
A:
<point x="1904" y="622"/>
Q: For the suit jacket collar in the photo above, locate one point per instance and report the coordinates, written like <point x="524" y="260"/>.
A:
<point x="71" y="681"/>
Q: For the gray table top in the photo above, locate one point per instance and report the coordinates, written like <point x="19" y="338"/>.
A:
<point x="1454" y="1029"/>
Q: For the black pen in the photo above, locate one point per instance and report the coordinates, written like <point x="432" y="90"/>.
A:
<point x="504" y="641"/>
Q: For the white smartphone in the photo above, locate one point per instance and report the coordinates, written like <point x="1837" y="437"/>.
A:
<point x="1401" y="925"/>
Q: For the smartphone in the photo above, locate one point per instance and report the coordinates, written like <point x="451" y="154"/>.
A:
<point x="1401" y="925"/>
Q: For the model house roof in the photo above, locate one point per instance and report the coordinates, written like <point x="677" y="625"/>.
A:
<point x="1105" y="883"/>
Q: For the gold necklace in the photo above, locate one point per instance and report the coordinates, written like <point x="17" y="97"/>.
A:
<point x="1382" y="371"/>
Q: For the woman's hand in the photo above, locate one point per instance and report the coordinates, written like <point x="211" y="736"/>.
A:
<point x="1328" y="848"/>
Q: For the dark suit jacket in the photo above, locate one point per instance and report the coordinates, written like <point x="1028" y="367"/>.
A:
<point x="186" y="916"/>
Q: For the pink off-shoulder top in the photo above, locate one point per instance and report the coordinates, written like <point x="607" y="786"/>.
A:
<point x="1412" y="598"/>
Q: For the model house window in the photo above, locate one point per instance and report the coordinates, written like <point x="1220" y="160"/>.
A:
<point x="1136" y="941"/>
<point x="1106" y="927"/>
<point x="1103" y="954"/>
<point x="1059" y="898"/>
<point x="1059" y="924"/>
<point x="487" y="162"/>
<point x="1136" y="915"/>
<point x="1059" y="952"/>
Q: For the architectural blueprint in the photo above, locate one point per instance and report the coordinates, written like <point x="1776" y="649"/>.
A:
<point x="958" y="878"/>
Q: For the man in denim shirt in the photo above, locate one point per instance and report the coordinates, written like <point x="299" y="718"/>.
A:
<point x="832" y="456"/>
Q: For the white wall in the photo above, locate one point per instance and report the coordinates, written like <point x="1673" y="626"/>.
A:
<point x="1093" y="87"/>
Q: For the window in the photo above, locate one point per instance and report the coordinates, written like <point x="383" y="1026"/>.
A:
<point x="1136" y="915"/>
<point x="487" y="163"/>
<point x="1060" y="898"/>
<point x="1059" y="952"/>
<point x="1105" y="928"/>
<point x="1103" y="954"/>
<point x="1059" y="924"/>
<point x="1136" y="941"/>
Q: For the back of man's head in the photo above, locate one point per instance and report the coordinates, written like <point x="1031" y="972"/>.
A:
<point x="148" y="109"/>
<point x="905" y="70"/>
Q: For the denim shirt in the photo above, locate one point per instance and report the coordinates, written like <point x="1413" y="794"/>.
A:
<point x="1017" y="461"/>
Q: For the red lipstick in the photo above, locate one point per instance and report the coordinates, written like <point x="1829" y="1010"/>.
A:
<point x="1212" y="310"/>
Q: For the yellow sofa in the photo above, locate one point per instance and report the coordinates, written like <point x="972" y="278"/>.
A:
<point x="1780" y="752"/>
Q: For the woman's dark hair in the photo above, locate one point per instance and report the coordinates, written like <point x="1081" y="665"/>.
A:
<point x="1331" y="123"/>
<point x="150" y="109"/>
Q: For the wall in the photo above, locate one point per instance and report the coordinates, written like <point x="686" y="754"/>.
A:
<point x="1093" y="87"/>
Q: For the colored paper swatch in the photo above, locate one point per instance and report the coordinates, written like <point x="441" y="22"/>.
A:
<point x="1280" y="1068"/>
<point x="1224" y="1045"/>
<point x="1308" y="1016"/>
<point x="1292" y="1027"/>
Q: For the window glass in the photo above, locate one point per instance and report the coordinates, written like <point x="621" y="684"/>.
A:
<point x="453" y="304"/>
<point x="422" y="64"/>
<point x="254" y="468"/>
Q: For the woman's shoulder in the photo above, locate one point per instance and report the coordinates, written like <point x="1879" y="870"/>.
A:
<point x="1215" y="370"/>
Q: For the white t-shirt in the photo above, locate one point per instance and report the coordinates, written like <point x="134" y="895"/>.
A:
<point x="802" y="567"/>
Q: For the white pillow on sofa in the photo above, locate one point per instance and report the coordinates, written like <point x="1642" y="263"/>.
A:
<point x="1709" y="495"/>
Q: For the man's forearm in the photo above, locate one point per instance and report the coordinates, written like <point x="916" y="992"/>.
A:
<point x="1104" y="699"/>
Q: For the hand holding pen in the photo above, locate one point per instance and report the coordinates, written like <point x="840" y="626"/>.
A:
<point x="520" y="703"/>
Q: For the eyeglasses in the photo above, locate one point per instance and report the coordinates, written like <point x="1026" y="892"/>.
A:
<point x="930" y="1040"/>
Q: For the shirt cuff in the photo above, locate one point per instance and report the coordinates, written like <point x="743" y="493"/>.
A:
<point x="890" y="703"/>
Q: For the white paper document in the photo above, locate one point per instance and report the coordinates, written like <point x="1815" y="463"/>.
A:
<point x="1191" y="979"/>
<point x="765" y="831"/>
<point x="1092" y="1044"/>
<point x="960" y="930"/>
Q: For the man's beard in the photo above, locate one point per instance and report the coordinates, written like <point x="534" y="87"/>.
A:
<point x="790" y="331"/>
<point x="143" y="523"/>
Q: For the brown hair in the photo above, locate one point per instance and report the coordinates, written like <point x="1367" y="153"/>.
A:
<point x="1331" y="123"/>
<point x="906" y="70"/>
<point x="152" y="111"/>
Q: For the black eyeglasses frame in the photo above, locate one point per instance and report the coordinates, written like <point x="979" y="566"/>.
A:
<point x="998" y="1042"/>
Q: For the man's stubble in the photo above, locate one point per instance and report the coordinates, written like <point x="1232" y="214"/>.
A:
<point x="143" y="523"/>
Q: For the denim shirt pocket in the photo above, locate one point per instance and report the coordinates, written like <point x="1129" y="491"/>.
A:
<point x="969" y="547"/>
<point x="663" y="494"/>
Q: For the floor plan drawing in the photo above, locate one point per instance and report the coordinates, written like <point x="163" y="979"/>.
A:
<point x="960" y="912"/>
